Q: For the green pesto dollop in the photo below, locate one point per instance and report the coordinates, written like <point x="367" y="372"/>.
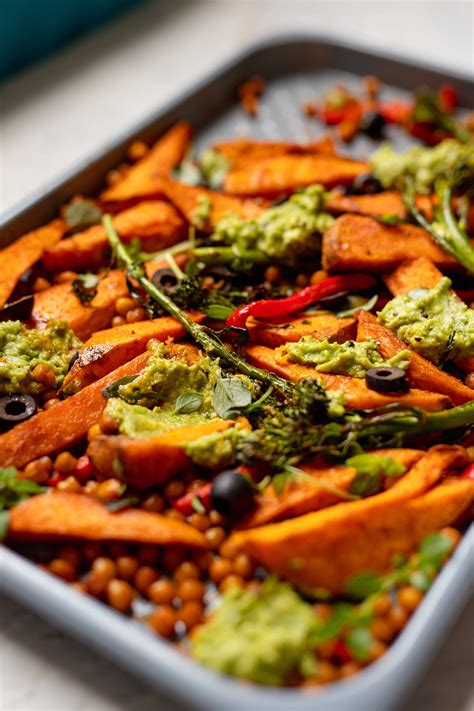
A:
<point x="22" y="349"/>
<point x="263" y="637"/>
<point x="217" y="449"/>
<point x="350" y="358"/>
<point x="202" y="212"/>
<point x="434" y="322"/>
<point x="287" y="231"/>
<point x="423" y="165"/>
<point x="139" y="422"/>
<point x="214" y="167"/>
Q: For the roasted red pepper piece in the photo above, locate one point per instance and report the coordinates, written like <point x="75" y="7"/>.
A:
<point x="85" y="469"/>
<point x="332" y="117"/>
<point x="396" y="111"/>
<point x="468" y="473"/>
<point x="342" y="652"/>
<point x="448" y="98"/>
<point x="270" y="308"/>
<point x="185" y="503"/>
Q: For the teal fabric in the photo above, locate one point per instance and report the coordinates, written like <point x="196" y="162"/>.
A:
<point x="32" y="29"/>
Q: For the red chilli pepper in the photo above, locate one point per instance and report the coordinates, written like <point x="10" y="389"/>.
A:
<point x="270" y="308"/>
<point x="342" y="652"/>
<point x="448" y="98"/>
<point x="55" y="479"/>
<point x="468" y="473"/>
<point x="185" y="503"/>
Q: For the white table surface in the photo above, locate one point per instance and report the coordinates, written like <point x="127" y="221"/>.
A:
<point x="62" y="110"/>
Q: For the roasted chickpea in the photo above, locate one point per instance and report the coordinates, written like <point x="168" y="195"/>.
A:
<point x="349" y="668"/>
<point x="39" y="470"/>
<point x="148" y="554"/>
<point x="228" y="549"/>
<point x="40" y="284"/>
<point x="51" y="403"/>
<point x="63" y="569"/>
<point x="322" y="610"/>
<point x="69" y="484"/>
<point x="65" y="277"/>
<point x="190" y="614"/>
<point x="325" y="672"/>
<point x="231" y="581"/>
<point x="381" y="629"/>
<point x="109" y="489"/>
<point x="215" y="536"/>
<point x="119" y="595"/>
<point x="105" y="566"/>
<point x="163" y="620"/>
<point x="174" y="489"/>
<point x="44" y="375"/>
<point x="219" y="569"/>
<point x="186" y="570"/>
<point x="200" y="521"/>
<point x="397" y="618"/>
<point x="154" y="503"/>
<point x="172" y="557"/>
<point x="127" y="567"/>
<point x="137" y="150"/>
<point x="108" y="424"/>
<point x="136" y="315"/>
<point x="118" y="321"/>
<point x="382" y="605"/>
<point x="409" y="598"/>
<point x="144" y="577"/>
<point x="71" y="554"/>
<point x="161" y="592"/>
<point x="272" y="274"/>
<point x="243" y="566"/>
<point x="65" y="463"/>
<point x="191" y="589"/>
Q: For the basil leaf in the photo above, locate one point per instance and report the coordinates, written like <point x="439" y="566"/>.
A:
<point x="390" y="219"/>
<point x="369" y="471"/>
<point x="359" y="641"/>
<point x="230" y="396"/>
<point x="85" y="287"/>
<point x="4" y="523"/>
<point x="219" y="312"/>
<point x="434" y="548"/>
<point x="112" y="389"/>
<point x="82" y="213"/>
<point x="187" y="403"/>
<point x="362" y="585"/>
<point x="14" y="490"/>
<point x="368" y="306"/>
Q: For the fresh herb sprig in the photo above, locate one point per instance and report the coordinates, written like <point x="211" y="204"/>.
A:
<point x="13" y="491"/>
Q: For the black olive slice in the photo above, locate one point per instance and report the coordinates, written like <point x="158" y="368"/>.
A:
<point x="19" y="310"/>
<point x="386" y="379"/>
<point x="232" y="494"/>
<point x="164" y="278"/>
<point x="15" y="409"/>
<point x="373" y="124"/>
<point x="366" y="184"/>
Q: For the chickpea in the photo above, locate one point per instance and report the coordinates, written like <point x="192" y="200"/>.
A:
<point x="325" y="672"/>
<point x="272" y="274"/>
<point x="397" y="618"/>
<point x="65" y="463"/>
<point x="113" y="176"/>
<point x="63" y="569"/>
<point x="71" y="554"/>
<point x="219" y="569"/>
<point x="109" y="489"/>
<point x="200" y="521"/>
<point x="377" y="649"/>
<point x="154" y="503"/>
<point x="90" y="488"/>
<point x="382" y="629"/>
<point x="125" y="304"/>
<point x="80" y="586"/>
<point x="202" y="559"/>
<point x="93" y="432"/>
<point x="44" y="375"/>
<point x="382" y="605"/>
<point x="349" y="668"/>
<point x="231" y="581"/>
<point x="118" y="321"/>
<point x="70" y="484"/>
<point x="190" y="613"/>
<point x="49" y="395"/>
<point x="302" y="280"/>
<point x="65" y="277"/>
<point x="127" y="567"/>
<point x="51" y="403"/>
<point x="144" y="577"/>
<point x="228" y="549"/>
<point x="96" y="583"/>
<point x="91" y="550"/>
<point x="161" y="592"/>
<point x="105" y="566"/>
<point x="469" y="380"/>
<point x="191" y="589"/>
<point x="216" y="518"/>
<point x="186" y="570"/>
<point x="120" y="595"/>
<point x="137" y="150"/>
<point x="148" y="554"/>
<point x="326" y="649"/>
<point x="409" y="598"/>
<point x="39" y="470"/>
<point x="163" y="620"/>
<point x="453" y="533"/>
<point x="108" y="424"/>
<point x="40" y="284"/>
<point x="322" y="610"/>
<point x="136" y="315"/>
<point x="243" y="566"/>
<point x="172" y="557"/>
<point x="174" y="489"/>
<point x="215" y="536"/>
<point x="318" y="276"/>
<point x="175" y="515"/>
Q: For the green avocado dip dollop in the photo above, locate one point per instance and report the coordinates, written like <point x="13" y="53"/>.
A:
<point x="22" y="349"/>
<point x="214" y="167"/>
<point x="434" y="322"/>
<point x="286" y="231"/>
<point x="263" y="637"/>
<point x="423" y="165"/>
<point x="350" y="358"/>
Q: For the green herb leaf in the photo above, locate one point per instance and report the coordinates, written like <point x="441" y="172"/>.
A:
<point x="363" y="584"/>
<point x="391" y="219"/>
<point x="230" y="397"/>
<point x="219" y="312"/>
<point x="82" y="213"/>
<point x="360" y="641"/>
<point x="4" y="523"/>
<point x="197" y="505"/>
<point x="434" y="548"/>
<point x="14" y="490"/>
<point x="368" y="306"/>
<point x="370" y="468"/>
<point x="120" y="504"/>
<point x="112" y="389"/>
<point x="187" y="403"/>
<point x="85" y="287"/>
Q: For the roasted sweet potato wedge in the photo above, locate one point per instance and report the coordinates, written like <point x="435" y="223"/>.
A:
<point x="60" y="302"/>
<point x="378" y="205"/>
<point x="275" y="333"/>
<point x="107" y="350"/>
<point x="155" y="223"/>
<point x="301" y="496"/>
<point x="354" y="389"/>
<point x="66" y="515"/>
<point x="151" y="461"/>
<point x="244" y="151"/>
<point x="63" y="425"/>
<point x="19" y="256"/>
<point x="362" y="243"/>
<point x="421" y="372"/>
<point x="283" y="174"/>
<point x="143" y="179"/>
<point x="187" y="197"/>
<point x="331" y="545"/>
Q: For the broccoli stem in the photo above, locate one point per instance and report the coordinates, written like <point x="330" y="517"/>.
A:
<point x="226" y="255"/>
<point x="210" y="343"/>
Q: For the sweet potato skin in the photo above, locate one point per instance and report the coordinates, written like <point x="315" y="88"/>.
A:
<point x="354" y="389"/>
<point x="421" y="373"/>
<point x="19" y="256"/>
<point x="300" y="496"/>
<point x="356" y="243"/>
<point x="186" y="199"/>
<point x="143" y="179"/>
<point x="389" y="202"/>
<point x="65" y="515"/>
<point x="338" y="542"/>
<point x="109" y="349"/>
<point x="274" y="333"/>
<point x="283" y="174"/>
<point x="63" y="425"/>
<point x="156" y="223"/>
<point x="151" y="461"/>
<point x="243" y="151"/>
<point x="60" y="302"/>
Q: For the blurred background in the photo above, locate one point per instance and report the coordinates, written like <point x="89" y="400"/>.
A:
<point x="76" y="74"/>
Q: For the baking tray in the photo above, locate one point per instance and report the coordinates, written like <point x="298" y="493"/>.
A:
<point x="297" y="68"/>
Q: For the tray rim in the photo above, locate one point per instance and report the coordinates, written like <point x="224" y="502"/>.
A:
<point x="200" y="685"/>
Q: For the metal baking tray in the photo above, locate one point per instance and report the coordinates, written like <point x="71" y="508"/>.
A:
<point x="297" y="69"/>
